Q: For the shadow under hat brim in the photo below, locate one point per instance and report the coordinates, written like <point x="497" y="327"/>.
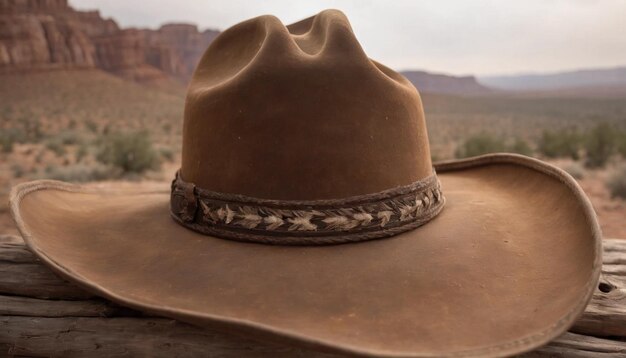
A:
<point x="509" y="264"/>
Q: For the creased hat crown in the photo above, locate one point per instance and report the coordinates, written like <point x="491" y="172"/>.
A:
<point x="300" y="112"/>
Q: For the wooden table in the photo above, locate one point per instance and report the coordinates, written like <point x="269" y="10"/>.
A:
<point x="43" y="316"/>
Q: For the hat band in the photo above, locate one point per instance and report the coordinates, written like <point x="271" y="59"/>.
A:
<point x="313" y="222"/>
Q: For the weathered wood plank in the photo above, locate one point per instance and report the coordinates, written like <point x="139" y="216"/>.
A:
<point x="127" y="337"/>
<point x="15" y="252"/>
<point x="10" y="239"/>
<point x="22" y="274"/>
<point x="35" y="280"/>
<point x="605" y="315"/>
<point x="159" y="337"/>
<point x="571" y="345"/>
<point x="42" y="315"/>
<point x="34" y="307"/>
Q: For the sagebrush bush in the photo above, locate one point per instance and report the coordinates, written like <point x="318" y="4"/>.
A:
<point x="91" y="126"/>
<point x="617" y="183"/>
<point x="39" y="157"/>
<point x="621" y="145"/>
<point x="484" y="143"/>
<point x="520" y="146"/>
<point x="130" y="152"/>
<point x="6" y="143"/>
<point x="480" y="144"/>
<point x="56" y="146"/>
<point x="10" y="136"/>
<point x="81" y="152"/>
<point x="67" y="137"/>
<point x="18" y="171"/>
<point x="560" y="144"/>
<point x="167" y="154"/>
<point x="575" y="169"/>
<point x="79" y="173"/>
<point x="34" y="132"/>
<point x="601" y="143"/>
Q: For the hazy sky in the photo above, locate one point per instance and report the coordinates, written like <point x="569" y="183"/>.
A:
<point x="480" y="37"/>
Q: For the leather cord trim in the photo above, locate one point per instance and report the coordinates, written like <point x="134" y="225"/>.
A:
<point x="311" y="222"/>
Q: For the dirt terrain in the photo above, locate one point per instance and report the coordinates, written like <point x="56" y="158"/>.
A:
<point x="52" y="124"/>
<point x="611" y="212"/>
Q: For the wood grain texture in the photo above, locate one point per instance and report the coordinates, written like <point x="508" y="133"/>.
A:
<point x="21" y="274"/>
<point x="42" y="315"/>
<point x="606" y="313"/>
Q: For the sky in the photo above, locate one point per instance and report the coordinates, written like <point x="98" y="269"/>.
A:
<point x="462" y="37"/>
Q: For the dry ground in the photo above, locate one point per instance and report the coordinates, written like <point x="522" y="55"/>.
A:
<point x="611" y="212"/>
<point x="59" y="117"/>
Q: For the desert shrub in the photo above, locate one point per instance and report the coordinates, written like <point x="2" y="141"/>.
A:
<point x="79" y="173"/>
<point x="81" y="152"/>
<point x="600" y="145"/>
<point x="10" y="136"/>
<point x="167" y="154"/>
<point x="560" y="144"/>
<point x="91" y="126"/>
<point x="621" y="144"/>
<point x="18" y="171"/>
<point x="68" y="137"/>
<point x="35" y="133"/>
<point x="617" y="183"/>
<point x="56" y="146"/>
<point x="485" y="143"/>
<point x="6" y="143"/>
<point x="39" y="157"/>
<point x="130" y="152"/>
<point x="575" y="169"/>
<point x="520" y="146"/>
<point x="480" y="144"/>
<point x="17" y="134"/>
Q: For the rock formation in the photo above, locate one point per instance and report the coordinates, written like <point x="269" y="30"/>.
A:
<point x="185" y="40"/>
<point x="445" y="84"/>
<point x="49" y="34"/>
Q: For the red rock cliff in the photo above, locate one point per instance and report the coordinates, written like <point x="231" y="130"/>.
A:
<point x="49" y="34"/>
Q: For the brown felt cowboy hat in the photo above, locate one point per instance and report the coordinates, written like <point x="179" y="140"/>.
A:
<point x="307" y="211"/>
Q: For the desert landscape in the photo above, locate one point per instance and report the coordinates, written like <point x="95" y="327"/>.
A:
<point x="84" y="100"/>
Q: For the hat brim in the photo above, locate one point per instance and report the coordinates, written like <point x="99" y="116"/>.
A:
<point x="509" y="264"/>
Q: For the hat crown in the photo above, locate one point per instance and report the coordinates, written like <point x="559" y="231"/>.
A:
<point x="299" y="112"/>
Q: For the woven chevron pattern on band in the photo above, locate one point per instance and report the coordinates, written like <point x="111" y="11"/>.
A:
<point x="312" y="222"/>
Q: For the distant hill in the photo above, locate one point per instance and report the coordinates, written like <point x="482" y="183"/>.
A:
<point x="586" y="80"/>
<point x="445" y="84"/>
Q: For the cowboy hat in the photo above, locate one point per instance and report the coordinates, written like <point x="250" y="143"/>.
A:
<point x="307" y="210"/>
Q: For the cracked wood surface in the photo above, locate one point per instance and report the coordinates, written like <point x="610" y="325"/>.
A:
<point x="42" y="315"/>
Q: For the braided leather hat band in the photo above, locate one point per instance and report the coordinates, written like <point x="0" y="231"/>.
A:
<point x="313" y="222"/>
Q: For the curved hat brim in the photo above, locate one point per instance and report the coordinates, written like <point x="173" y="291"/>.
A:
<point x="508" y="265"/>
